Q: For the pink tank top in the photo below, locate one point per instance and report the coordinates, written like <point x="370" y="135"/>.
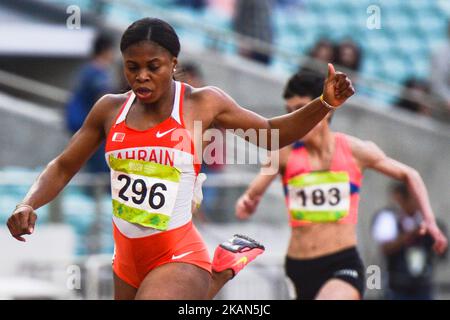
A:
<point x="322" y="196"/>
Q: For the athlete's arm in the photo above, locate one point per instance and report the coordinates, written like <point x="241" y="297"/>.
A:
<point x="248" y="202"/>
<point x="60" y="170"/>
<point x="369" y="155"/>
<point x="291" y="127"/>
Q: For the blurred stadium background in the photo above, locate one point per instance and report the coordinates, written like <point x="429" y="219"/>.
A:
<point x="40" y="57"/>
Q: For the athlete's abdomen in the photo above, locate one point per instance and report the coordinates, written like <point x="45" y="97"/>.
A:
<point x="316" y="240"/>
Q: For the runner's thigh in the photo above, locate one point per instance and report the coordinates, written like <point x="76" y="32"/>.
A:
<point x="335" y="289"/>
<point x="181" y="281"/>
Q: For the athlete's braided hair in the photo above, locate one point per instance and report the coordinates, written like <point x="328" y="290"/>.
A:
<point x="151" y="29"/>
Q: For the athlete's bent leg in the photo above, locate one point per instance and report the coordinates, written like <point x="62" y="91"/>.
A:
<point x="122" y="290"/>
<point x="336" y="289"/>
<point x="230" y="257"/>
<point x="175" y="281"/>
<point x="219" y="279"/>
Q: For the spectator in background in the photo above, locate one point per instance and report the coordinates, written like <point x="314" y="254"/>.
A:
<point x="323" y="53"/>
<point x="94" y="80"/>
<point x="440" y="72"/>
<point x="253" y="18"/>
<point x="349" y="55"/>
<point x="408" y="252"/>
<point x="194" y="4"/>
<point x="287" y="4"/>
<point x="414" y="97"/>
<point x="191" y="74"/>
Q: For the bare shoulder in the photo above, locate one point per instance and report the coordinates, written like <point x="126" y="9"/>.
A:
<point x="111" y="101"/>
<point x="105" y="110"/>
<point x="206" y="95"/>
<point x="364" y="151"/>
<point x="205" y="103"/>
<point x="356" y="144"/>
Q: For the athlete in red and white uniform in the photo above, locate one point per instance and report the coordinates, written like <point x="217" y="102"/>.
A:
<point x="149" y="226"/>
<point x="150" y="150"/>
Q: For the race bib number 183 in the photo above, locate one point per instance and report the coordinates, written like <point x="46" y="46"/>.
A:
<point x="319" y="196"/>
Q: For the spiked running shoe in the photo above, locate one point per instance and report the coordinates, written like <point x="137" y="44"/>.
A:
<point x="236" y="253"/>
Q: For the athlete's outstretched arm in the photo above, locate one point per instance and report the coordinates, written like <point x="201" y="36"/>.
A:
<point x="371" y="156"/>
<point x="59" y="172"/>
<point x="248" y="202"/>
<point x="291" y="127"/>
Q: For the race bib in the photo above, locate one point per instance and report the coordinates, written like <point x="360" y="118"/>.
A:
<point x="319" y="196"/>
<point x="143" y="192"/>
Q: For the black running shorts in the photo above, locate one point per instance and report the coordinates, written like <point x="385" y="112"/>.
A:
<point x="309" y="275"/>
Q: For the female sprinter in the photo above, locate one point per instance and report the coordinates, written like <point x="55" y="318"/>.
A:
<point x="322" y="176"/>
<point x="150" y="141"/>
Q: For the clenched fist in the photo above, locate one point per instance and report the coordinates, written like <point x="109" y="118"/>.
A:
<point x="22" y="222"/>
<point x="245" y="206"/>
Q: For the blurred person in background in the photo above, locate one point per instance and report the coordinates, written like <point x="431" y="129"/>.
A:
<point x="349" y="55"/>
<point x="289" y="4"/>
<point x="253" y="18"/>
<point x="407" y="250"/>
<point x="191" y="74"/>
<point x="440" y="72"/>
<point x="322" y="53"/>
<point x="322" y="176"/>
<point x="413" y="97"/>
<point x="194" y="4"/>
<point x="94" y="80"/>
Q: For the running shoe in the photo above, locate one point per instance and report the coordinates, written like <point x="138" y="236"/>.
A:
<point x="236" y="253"/>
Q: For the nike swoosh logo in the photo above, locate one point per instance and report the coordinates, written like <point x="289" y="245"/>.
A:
<point x="174" y="257"/>
<point x="243" y="260"/>
<point x="162" y="134"/>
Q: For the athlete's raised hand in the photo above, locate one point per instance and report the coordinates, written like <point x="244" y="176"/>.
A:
<point x="337" y="87"/>
<point x="440" y="241"/>
<point x="22" y="222"/>
<point x="245" y="206"/>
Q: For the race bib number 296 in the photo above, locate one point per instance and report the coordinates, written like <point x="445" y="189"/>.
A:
<point x="319" y="196"/>
<point x="143" y="192"/>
